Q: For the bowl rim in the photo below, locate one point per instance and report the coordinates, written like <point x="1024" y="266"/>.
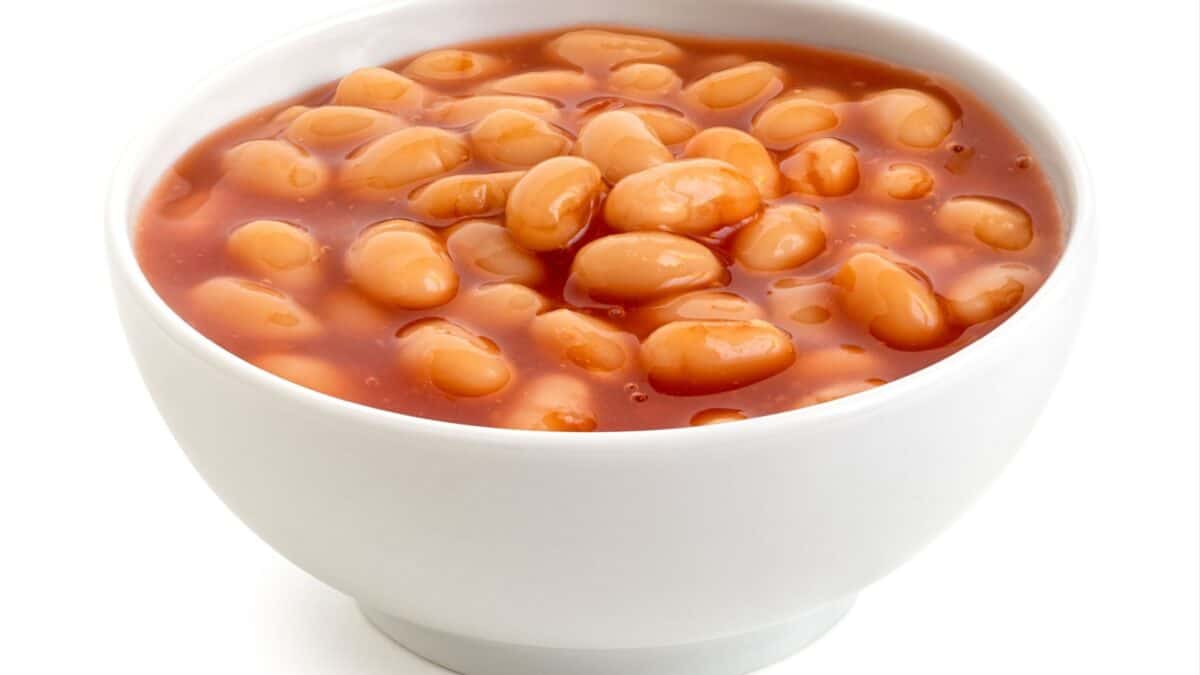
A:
<point x="1077" y="252"/>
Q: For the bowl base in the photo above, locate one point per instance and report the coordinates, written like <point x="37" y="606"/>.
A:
<point x="733" y="655"/>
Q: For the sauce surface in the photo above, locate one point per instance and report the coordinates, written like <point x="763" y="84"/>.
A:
<point x="898" y="210"/>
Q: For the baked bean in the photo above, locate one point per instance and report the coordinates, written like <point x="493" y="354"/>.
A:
<point x="905" y="180"/>
<point x="585" y="341"/>
<point x="995" y="222"/>
<point x="465" y="111"/>
<point x="339" y="126"/>
<point x="553" y="403"/>
<point x="381" y="89"/>
<point x="402" y="264"/>
<point x="553" y="84"/>
<point x="307" y="371"/>
<point x="716" y="416"/>
<point x="691" y="196"/>
<point x="880" y="227"/>
<point x="644" y="80"/>
<point x="985" y="293"/>
<point x="784" y="236"/>
<point x="553" y="203"/>
<point x="454" y="360"/>
<point x="253" y="310"/>
<point x="897" y="306"/>
<point x="277" y="251"/>
<point x="735" y="87"/>
<point x="705" y="357"/>
<point x="602" y="49"/>
<point x="464" y="195"/>
<point x="842" y="362"/>
<point x="489" y="250"/>
<point x="637" y="266"/>
<point x="836" y="391"/>
<point x="452" y="66"/>
<point x="787" y="121"/>
<point x="620" y="144"/>
<point x="705" y="305"/>
<point x="502" y="305"/>
<point x="385" y="167"/>
<point x="275" y="168"/>
<point x="348" y="312"/>
<point x="511" y="138"/>
<point x="741" y="150"/>
<point x="826" y="167"/>
<point x="671" y="127"/>
<point x="801" y="304"/>
<point x="910" y="118"/>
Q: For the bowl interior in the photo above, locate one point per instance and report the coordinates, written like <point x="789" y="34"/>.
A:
<point x="324" y="52"/>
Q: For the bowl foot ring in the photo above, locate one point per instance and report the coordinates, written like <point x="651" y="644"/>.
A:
<point x="732" y="655"/>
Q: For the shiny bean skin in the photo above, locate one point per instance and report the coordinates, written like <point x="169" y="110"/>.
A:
<point x="786" y="122"/>
<point x="553" y="403"/>
<point x="671" y="127"/>
<point x="741" y="150"/>
<point x="736" y="87"/>
<point x="910" y="118"/>
<point x="386" y="167"/>
<point x="466" y="111"/>
<point x="253" y="310"/>
<point x="517" y="140"/>
<point x="620" y="144"/>
<point x="985" y="293"/>
<point x="995" y="222"/>
<point x="601" y="49"/>
<point x="452" y="359"/>
<point x="553" y="203"/>
<point x="340" y="127"/>
<point x="381" y="89"/>
<point x="704" y="305"/>
<point x="826" y="167"/>
<point x="905" y="180"/>
<point x="502" y="305"/>
<point x="402" y="264"/>
<point x="638" y="266"/>
<point x="716" y="416"/>
<point x="307" y="371"/>
<point x="464" y="195"/>
<point x="275" y="168"/>
<point x="585" y="341"/>
<point x="277" y="251"/>
<point x="489" y="250"/>
<point x="691" y="196"/>
<point x="644" y="80"/>
<point x="452" y="66"/>
<point x="705" y="357"/>
<point x="552" y="84"/>
<point x="894" y="304"/>
<point x="783" y="237"/>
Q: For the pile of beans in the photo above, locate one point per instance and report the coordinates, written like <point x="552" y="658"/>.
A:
<point x="602" y="230"/>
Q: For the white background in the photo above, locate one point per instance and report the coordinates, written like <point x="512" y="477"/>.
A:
<point x="114" y="557"/>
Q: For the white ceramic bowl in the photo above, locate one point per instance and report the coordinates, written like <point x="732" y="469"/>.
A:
<point x="695" y="551"/>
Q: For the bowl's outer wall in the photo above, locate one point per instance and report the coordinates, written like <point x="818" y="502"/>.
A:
<point x="662" y="538"/>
